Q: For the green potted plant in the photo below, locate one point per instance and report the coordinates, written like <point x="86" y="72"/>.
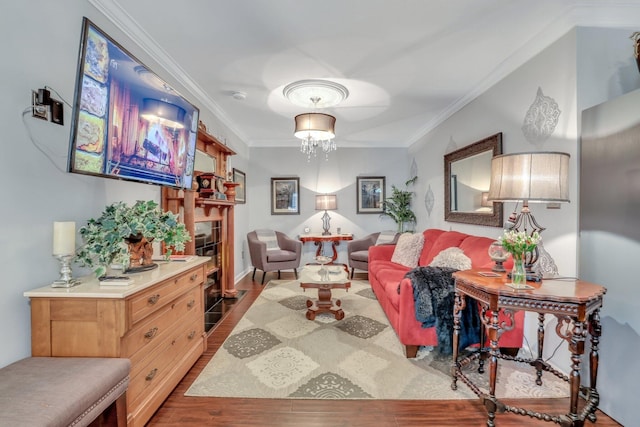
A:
<point x="111" y="237"/>
<point x="398" y="206"/>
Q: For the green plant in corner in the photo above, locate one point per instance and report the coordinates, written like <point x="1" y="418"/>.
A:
<point x="106" y="237"/>
<point x="398" y="206"/>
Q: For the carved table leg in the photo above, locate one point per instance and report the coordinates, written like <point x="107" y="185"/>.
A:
<point x="539" y="362"/>
<point x="458" y="306"/>
<point x="595" y="331"/>
<point x="490" y="402"/>
<point x="576" y="345"/>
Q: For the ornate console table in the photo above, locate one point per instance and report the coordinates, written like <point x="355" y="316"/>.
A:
<point x="576" y="305"/>
<point x="319" y="240"/>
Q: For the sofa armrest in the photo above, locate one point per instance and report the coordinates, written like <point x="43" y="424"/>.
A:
<point x="381" y="253"/>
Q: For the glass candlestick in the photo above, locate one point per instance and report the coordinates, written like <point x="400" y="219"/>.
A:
<point x="66" y="279"/>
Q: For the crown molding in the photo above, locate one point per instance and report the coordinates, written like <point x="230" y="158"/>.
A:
<point x="614" y="15"/>
<point x="113" y="11"/>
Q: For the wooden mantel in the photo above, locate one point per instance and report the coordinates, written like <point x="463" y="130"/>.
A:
<point x="193" y="209"/>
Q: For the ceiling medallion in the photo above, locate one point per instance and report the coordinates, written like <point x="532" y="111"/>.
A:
<point x="303" y="92"/>
<point x="315" y="130"/>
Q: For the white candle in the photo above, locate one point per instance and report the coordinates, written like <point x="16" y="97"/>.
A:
<point x="64" y="238"/>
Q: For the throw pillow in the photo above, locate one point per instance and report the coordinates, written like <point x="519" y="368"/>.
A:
<point x="452" y="258"/>
<point x="408" y="249"/>
<point x="270" y="238"/>
<point x="386" y="237"/>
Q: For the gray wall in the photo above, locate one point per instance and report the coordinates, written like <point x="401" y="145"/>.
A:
<point x="610" y="242"/>
<point x="40" y="47"/>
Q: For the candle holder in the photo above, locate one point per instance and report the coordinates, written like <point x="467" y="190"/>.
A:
<point x="66" y="280"/>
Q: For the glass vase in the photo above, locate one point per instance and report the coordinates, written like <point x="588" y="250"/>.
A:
<point x="518" y="272"/>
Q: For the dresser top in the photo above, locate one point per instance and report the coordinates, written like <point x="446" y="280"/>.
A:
<point x="90" y="286"/>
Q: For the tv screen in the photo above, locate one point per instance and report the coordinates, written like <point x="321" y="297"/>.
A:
<point x="127" y="122"/>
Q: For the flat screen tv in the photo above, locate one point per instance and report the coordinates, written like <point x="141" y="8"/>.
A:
<point x="127" y="122"/>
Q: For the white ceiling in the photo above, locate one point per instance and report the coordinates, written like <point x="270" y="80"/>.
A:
<point x="408" y="64"/>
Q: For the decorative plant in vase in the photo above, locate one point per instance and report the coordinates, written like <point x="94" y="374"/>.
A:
<point x="123" y="235"/>
<point x="518" y="243"/>
<point x="398" y="206"/>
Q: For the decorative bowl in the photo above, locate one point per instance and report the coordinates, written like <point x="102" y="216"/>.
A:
<point x="322" y="260"/>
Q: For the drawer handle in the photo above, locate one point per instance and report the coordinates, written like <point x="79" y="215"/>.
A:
<point x="191" y="303"/>
<point x="151" y="374"/>
<point x="192" y="334"/>
<point x="153" y="299"/>
<point x="151" y="333"/>
<point x="193" y="277"/>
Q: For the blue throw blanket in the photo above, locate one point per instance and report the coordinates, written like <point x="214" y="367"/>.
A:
<point x="433" y="293"/>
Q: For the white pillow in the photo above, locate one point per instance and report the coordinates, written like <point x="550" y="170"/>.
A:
<point x="453" y="258"/>
<point x="386" y="237"/>
<point x="408" y="249"/>
<point x="270" y="238"/>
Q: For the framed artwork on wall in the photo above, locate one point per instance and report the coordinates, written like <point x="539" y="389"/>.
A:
<point x="240" y="178"/>
<point x="370" y="194"/>
<point x="285" y="196"/>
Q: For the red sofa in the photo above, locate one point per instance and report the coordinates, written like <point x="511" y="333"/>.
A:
<point x="385" y="275"/>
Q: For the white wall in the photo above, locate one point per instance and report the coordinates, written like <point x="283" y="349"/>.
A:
<point x="40" y="47"/>
<point x="319" y="176"/>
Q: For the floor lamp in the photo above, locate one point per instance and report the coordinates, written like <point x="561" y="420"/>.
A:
<point x="541" y="177"/>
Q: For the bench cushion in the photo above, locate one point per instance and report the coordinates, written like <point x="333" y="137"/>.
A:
<point x="60" y="391"/>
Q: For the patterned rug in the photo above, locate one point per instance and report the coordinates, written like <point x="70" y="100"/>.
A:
<point x="275" y="352"/>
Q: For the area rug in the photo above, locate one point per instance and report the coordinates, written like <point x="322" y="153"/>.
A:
<point x="275" y="352"/>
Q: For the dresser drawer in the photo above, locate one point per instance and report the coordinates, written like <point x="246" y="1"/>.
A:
<point x="158" y="296"/>
<point x="153" y="370"/>
<point x="148" y="333"/>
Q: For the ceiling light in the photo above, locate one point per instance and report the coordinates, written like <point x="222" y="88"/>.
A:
<point x="316" y="130"/>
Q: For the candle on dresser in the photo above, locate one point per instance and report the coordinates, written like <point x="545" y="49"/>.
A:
<point x="64" y="238"/>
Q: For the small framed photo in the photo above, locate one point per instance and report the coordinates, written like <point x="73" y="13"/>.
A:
<point x="285" y="196"/>
<point x="371" y="193"/>
<point x="240" y="178"/>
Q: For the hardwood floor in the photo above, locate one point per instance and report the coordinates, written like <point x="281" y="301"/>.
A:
<point x="179" y="410"/>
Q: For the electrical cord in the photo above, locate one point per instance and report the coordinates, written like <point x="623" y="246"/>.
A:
<point x="48" y="155"/>
<point x="59" y="96"/>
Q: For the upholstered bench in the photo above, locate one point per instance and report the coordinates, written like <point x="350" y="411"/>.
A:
<point x="62" y="391"/>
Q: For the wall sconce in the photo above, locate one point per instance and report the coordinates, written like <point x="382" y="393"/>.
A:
<point x="326" y="202"/>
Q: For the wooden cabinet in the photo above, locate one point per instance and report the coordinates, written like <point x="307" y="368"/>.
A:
<point x="157" y="323"/>
<point x="193" y="208"/>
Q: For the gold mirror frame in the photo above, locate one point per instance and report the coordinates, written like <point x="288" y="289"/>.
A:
<point x="492" y="219"/>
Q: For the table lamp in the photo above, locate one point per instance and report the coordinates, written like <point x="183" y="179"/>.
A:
<point x="64" y="248"/>
<point x="326" y="202"/>
<point x="540" y="177"/>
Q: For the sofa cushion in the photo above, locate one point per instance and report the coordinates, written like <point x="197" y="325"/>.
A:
<point x="477" y="249"/>
<point x="360" y="256"/>
<point x="408" y="249"/>
<point x="269" y="237"/>
<point x="448" y="239"/>
<point x="280" y="256"/>
<point x="452" y="258"/>
<point x="430" y="237"/>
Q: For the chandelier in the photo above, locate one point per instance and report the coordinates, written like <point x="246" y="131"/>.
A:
<point x="315" y="130"/>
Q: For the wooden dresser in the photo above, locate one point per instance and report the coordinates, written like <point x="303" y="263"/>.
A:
<point x="157" y="322"/>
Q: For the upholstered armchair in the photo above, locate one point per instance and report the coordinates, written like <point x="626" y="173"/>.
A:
<point x="273" y="251"/>
<point x="358" y="249"/>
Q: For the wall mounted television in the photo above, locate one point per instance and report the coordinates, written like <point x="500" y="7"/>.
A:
<point x="127" y="122"/>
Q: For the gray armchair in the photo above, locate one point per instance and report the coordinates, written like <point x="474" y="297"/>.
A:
<point x="358" y="251"/>
<point x="286" y="256"/>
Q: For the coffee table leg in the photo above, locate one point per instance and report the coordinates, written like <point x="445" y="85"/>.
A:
<point x="324" y="304"/>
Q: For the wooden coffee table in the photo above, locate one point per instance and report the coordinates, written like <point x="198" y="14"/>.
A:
<point x="324" y="278"/>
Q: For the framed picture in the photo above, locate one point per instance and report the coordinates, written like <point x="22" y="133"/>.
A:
<point x="285" y="196"/>
<point x="371" y="193"/>
<point x="240" y="178"/>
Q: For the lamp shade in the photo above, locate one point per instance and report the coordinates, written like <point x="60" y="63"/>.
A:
<point x="316" y="126"/>
<point x="326" y="202"/>
<point x="530" y="177"/>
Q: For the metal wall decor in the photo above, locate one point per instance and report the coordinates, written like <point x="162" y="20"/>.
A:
<point x="541" y="119"/>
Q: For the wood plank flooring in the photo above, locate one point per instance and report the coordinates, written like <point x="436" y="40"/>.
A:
<point x="179" y="410"/>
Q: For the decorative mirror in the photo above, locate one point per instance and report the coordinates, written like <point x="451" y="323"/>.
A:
<point x="467" y="174"/>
